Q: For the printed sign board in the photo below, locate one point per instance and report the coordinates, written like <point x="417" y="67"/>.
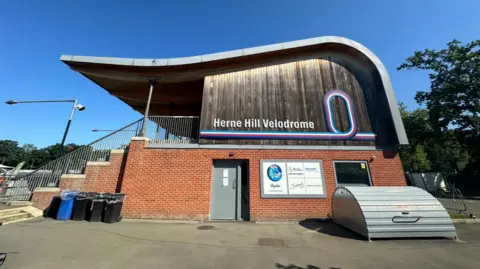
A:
<point x="292" y="179"/>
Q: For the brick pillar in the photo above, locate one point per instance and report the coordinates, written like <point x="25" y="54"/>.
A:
<point x="130" y="183"/>
<point x="386" y="169"/>
<point x="99" y="176"/>
<point x="72" y="182"/>
<point x="42" y="197"/>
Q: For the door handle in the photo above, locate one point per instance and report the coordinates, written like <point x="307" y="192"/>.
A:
<point x="234" y="183"/>
<point x="403" y="219"/>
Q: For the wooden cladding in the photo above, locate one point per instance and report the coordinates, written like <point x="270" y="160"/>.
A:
<point x="292" y="91"/>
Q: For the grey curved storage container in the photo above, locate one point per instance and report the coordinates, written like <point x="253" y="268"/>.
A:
<point x="389" y="212"/>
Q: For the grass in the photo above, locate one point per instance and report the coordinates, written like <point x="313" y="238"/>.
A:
<point x="459" y="216"/>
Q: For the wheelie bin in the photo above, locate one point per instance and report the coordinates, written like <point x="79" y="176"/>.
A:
<point x="95" y="214"/>
<point x="52" y="210"/>
<point x="113" y="208"/>
<point x="66" y="206"/>
<point x="81" y="205"/>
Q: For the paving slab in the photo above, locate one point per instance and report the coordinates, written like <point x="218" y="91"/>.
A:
<point x="46" y="243"/>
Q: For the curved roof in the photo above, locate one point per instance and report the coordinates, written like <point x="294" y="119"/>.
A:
<point x="181" y="79"/>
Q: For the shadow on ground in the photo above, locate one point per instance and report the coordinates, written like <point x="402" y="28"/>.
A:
<point x="329" y="228"/>
<point x="293" y="266"/>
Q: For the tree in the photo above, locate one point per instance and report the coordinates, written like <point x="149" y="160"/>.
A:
<point x="414" y="157"/>
<point x="429" y="150"/>
<point x="11" y="153"/>
<point x="453" y="102"/>
<point x="417" y="124"/>
<point x="8" y="150"/>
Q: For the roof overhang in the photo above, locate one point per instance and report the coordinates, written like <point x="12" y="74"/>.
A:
<point x="180" y="80"/>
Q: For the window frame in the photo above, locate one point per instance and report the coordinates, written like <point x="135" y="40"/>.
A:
<point x="351" y="161"/>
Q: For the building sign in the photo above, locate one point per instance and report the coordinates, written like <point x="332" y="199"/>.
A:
<point x="263" y="125"/>
<point x="257" y="123"/>
<point x="292" y="179"/>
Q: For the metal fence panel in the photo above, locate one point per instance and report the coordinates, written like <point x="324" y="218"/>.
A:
<point x="21" y="187"/>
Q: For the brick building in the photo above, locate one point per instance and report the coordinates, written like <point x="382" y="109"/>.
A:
<point x="264" y="133"/>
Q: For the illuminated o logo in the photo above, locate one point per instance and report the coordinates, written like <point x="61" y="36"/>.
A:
<point x="327" y="106"/>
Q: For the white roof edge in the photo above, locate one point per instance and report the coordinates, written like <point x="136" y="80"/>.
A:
<point x="392" y="101"/>
<point x="207" y="57"/>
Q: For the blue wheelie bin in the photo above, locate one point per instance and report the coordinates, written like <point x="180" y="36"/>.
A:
<point x="66" y="206"/>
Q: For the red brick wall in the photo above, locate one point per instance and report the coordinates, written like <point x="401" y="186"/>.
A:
<point x="175" y="183"/>
<point x="72" y="183"/>
<point x="99" y="176"/>
<point x="105" y="178"/>
<point x="41" y="199"/>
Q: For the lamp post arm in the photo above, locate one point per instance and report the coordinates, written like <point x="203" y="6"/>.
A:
<point x="46" y="101"/>
<point x="60" y="152"/>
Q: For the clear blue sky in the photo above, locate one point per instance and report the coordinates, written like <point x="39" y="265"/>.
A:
<point x="33" y="35"/>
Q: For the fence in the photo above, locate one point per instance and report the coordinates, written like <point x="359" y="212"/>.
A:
<point x="160" y="129"/>
<point x="435" y="183"/>
<point x="21" y="188"/>
<point x="173" y="129"/>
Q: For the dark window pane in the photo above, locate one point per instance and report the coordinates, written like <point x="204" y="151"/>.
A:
<point x="352" y="173"/>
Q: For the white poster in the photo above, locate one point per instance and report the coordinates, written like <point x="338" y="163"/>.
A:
<point x="274" y="178"/>
<point x="295" y="178"/>
<point x="295" y="170"/>
<point x="313" y="178"/>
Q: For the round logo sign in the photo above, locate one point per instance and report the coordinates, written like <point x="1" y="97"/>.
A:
<point x="274" y="172"/>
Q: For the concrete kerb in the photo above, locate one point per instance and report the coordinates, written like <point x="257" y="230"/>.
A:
<point x="162" y="221"/>
<point x="18" y="203"/>
<point x="467" y="221"/>
<point x="286" y="222"/>
<point x="209" y="221"/>
<point x="277" y="222"/>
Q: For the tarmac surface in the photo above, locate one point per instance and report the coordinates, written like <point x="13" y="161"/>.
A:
<point x="46" y="243"/>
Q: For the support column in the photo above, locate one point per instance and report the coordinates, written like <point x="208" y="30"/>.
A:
<point x="147" y="109"/>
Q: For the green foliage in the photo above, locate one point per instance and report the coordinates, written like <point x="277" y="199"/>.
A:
<point x="11" y="153"/>
<point x="414" y="157"/>
<point x="429" y="150"/>
<point x="453" y="102"/>
<point x="459" y="216"/>
<point x="8" y="151"/>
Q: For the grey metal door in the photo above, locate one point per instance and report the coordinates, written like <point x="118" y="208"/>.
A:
<point x="224" y="191"/>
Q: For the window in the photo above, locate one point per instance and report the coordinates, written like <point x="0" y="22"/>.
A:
<point x="352" y="173"/>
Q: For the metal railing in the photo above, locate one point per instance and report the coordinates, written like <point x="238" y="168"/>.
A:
<point x="451" y="198"/>
<point x="21" y="187"/>
<point x="160" y="129"/>
<point x="173" y="129"/>
<point x="446" y="193"/>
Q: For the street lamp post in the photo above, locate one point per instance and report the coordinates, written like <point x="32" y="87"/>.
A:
<point x="76" y="106"/>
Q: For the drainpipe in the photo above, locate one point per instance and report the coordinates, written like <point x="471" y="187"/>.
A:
<point x="147" y="109"/>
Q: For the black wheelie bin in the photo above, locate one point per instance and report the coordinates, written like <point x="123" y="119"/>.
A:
<point x="82" y="205"/>
<point x="95" y="214"/>
<point x="113" y="208"/>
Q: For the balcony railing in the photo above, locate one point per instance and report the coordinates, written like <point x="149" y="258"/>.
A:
<point x="173" y="129"/>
